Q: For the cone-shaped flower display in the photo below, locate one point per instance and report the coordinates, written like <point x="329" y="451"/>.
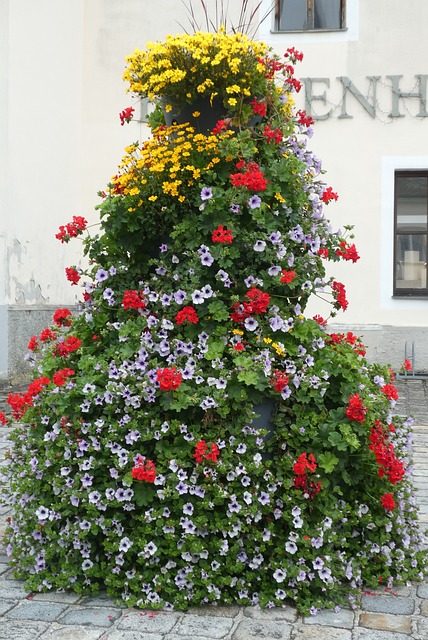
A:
<point x="139" y="465"/>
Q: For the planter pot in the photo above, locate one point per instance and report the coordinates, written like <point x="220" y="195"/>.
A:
<point x="265" y="410"/>
<point x="210" y="114"/>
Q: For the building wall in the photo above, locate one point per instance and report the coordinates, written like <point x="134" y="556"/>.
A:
<point x="61" y="90"/>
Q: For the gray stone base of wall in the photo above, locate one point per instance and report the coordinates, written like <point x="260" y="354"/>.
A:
<point x="17" y="325"/>
<point x="391" y="345"/>
<point x="385" y="344"/>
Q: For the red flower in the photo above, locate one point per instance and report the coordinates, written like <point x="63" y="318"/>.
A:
<point x="293" y="54"/>
<point x="302" y="481"/>
<point x="272" y="135"/>
<point x="126" y="115"/>
<point x="47" y="334"/>
<point x="253" y="179"/>
<point x="259" y="108"/>
<point x="133" y="299"/>
<point x="220" y="126"/>
<point x="62" y="317"/>
<point x="203" y="452"/>
<point x="72" y="229"/>
<point x="287" y="276"/>
<point x="348" y="252"/>
<point x="323" y="252"/>
<point x="304" y="118"/>
<point x="36" y="386"/>
<point x="328" y="195"/>
<point x="340" y="295"/>
<point x="356" y="410"/>
<point x="144" y="470"/>
<point x="187" y="314"/>
<point x="239" y="346"/>
<point x="385" y="455"/>
<point x="222" y="235"/>
<point x="33" y="344"/>
<point x="19" y="403"/>
<point x="169" y="379"/>
<point x="280" y="380"/>
<point x="320" y="320"/>
<point x="72" y="275"/>
<point x="259" y="301"/>
<point x="70" y="344"/>
<point x="388" y="501"/>
<point x="407" y="365"/>
<point x="60" y="377"/>
<point x="3" y="419"/>
<point x="390" y="391"/>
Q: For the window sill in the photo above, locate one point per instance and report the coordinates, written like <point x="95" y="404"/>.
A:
<point x="410" y="296"/>
<point x="279" y="31"/>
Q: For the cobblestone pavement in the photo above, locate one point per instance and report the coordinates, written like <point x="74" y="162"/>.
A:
<point x="401" y="614"/>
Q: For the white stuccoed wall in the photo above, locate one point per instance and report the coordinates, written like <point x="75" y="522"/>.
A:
<point x="61" y="90"/>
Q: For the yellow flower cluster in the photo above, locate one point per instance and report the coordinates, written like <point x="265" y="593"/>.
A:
<point x="205" y="64"/>
<point x="163" y="163"/>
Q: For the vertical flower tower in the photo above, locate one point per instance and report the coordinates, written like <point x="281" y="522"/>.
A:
<point x="144" y="462"/>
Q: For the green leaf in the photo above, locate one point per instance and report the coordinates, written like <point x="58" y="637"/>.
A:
<point x="218" y="310"/>
<point x="143" y="493"/>
<point x="327" y="461"/>
<point x="215" y="350"/>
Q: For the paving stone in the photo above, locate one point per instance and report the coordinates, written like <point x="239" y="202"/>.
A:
<point x="101" y="600"/>
<point x="276" y="613"/>
<point x="73" y="633"/>
<point x="57" y="596"/>
<point x="30" y="610"/>
<point x="204" y="626"/>
<point x="12" y="591"/>
<point x="251" y="629"/>
<point x="424" y="608"/>
<point x="222" y="612"/>
<point x="422" y="590"/>
<point x="386" y="622"/>
<point x="6" y="605"/>
<point x="19" y="630"/>
<point x="90" y="616"/>
<point x="422" y="627"/>
<point x="374" y="634"/>
<point x="317" y="632"/>
<point x="388" y="604"/>
<point x="136" y="635"/>
<point x="343" y="619"/>
<point x="148" y="622"/>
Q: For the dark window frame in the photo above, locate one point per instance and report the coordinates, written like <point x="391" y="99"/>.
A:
<point x="310" y="4"/>
<point x="400" y="291"/>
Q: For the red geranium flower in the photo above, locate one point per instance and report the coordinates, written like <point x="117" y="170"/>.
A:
<point x="356" y="410"/>
<point x="133" y="299"/>
<point x="126" y="115"/>
<point x="187" y="314"/>
<point x="144" y="470"/>
<point x="72" y="275"/>
<point x="287" y="276"/>
<point x="204" y="452"/>
<point x="60" y="377"/>
<point x="388" y="501"/>
<point x="62" y="317"/>
<point x="222" y="235"/>
<point x="169" y="379"/>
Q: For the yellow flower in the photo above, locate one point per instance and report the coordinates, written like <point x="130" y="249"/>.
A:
<point x="168" y="108"/>
<point x="232" y="102"/>
<point x="196" y="114"/>
<point x="279" y="197"/>
<point x="238" y="332"/>
<point x="152" y="198"/>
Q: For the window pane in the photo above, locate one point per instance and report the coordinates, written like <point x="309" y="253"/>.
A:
<point x="293" y="15"/>
<point x="411" y="194"/>
<point x="327" y="14"/>
<point x="411" y="262"/>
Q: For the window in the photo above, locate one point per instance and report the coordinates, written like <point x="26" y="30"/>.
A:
<point x="310" y="15"/>
<point x="411" y="227"/>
